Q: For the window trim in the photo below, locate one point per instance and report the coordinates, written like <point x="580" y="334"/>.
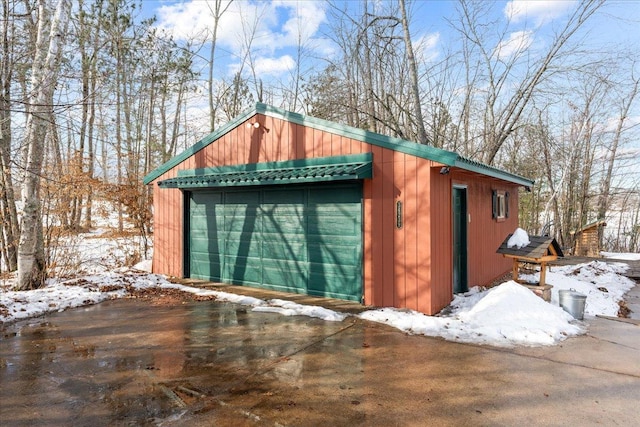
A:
<point x="500" y="205"/>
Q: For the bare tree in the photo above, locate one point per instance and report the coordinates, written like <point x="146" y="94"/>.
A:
<point x="626" y="101"/>
<point x="413" y="75"/>
<point x="9" y="230"/>
<point x="216" y="11"/>
<point x="46" y="63"/>
<point x="504" y="108"/>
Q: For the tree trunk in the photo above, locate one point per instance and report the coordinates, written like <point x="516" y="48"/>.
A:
<point x="413" y="75"/>
<point x="605" y="192"/>
<point x="8" y="213"/>
<point x="46" y="64"/>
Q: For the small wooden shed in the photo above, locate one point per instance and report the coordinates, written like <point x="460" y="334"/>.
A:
<point x="289" y="202"/>
<point x="586" y="241"/>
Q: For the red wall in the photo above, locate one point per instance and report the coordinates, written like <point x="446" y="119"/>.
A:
<point x="408" y="267"/>
<point x="485" y="234"/>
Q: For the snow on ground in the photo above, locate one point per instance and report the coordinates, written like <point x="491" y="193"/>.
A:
<point x="506" y="315"/>
<point x="601" y="282"/>
<point x="621" y="255"/>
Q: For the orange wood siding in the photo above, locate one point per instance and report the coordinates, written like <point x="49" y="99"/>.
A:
<point x="407" y="267"/>
<point x="168" y="226"/>
<point x="484" y="233"/>
<point x="441" y="240"/>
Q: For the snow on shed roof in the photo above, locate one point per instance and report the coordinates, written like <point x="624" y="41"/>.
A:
<point x="537" y="248"/>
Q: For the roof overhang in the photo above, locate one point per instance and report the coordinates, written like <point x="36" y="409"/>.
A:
<point x="322" y="169"/>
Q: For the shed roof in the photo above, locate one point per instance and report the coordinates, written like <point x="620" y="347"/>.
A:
<point x="537" y="248"/>
<point x="448" y="158"/>
<point x="600" y="223"/>
<point x="337" y="168"/>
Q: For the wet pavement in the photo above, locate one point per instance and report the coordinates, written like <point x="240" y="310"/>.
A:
<point x="133" y="362"/>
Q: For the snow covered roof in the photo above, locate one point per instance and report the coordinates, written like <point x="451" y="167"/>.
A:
<point x="538" y="247"/>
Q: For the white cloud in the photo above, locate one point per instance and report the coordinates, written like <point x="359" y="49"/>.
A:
<point x="538" y="11"/>
<point x="276" y="29"/>
<point x="279" y="24"/>
<point x="303" y="22"/>
<point x="426" y="47"/>
<point x="518" y="41"/>
<point x="274" y="66"/>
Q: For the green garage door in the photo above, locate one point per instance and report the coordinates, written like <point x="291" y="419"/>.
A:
<point x="304" y="239"/>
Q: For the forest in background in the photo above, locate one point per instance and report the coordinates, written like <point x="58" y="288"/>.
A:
<point x="94" y="95"/>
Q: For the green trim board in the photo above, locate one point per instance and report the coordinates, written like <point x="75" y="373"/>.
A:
<point x="339" y="168"/>
<point x="448" y="158"/>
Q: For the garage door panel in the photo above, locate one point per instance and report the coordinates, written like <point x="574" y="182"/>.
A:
<point x="340" y="284"/>
<point x="329" y="195"/>
<point x="241" y="197"/>
<point x="242" y="270"/>
<point x="236" y="245"/>
<point x="242" y="222"/>
<point x="333" y="226"/>
<point x="286" y="197"/>
<point x="334" y="254"/>
<point x="289" y="226"/>
<point x="304" y="239"/>
<point x="206" y="198"/>
<point x="206" y="266"/>
<point x="205" y="245"/>
<point x="283" y="273"/>
<point x="284" y="250"/>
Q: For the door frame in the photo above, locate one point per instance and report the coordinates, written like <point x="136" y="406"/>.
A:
<point x="454" y="234"/>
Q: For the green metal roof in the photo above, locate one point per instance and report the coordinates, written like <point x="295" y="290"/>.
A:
<point x="336" y="168"/>
<point x="445" y="157"/>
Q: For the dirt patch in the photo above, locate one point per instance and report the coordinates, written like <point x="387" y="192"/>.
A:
<point x="166" y="296"/>
<point x="624" y="310"/>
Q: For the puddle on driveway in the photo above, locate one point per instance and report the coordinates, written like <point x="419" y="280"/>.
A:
<point x="127" y="362"/>
<point x="135" y="363"/>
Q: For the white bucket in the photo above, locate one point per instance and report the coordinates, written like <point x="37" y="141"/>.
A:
<point x="572" y="302"/>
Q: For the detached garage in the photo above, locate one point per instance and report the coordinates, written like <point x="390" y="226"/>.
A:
<point x="283" y="201"/>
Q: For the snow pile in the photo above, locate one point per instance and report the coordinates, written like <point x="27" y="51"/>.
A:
<point x="503" y="316"/>
<point x="519" y="239"/>
<point x="288" y="308"/>
<point x="601" y="282"/>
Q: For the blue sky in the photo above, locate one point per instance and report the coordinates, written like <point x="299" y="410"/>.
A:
<point x="282" y="23"/>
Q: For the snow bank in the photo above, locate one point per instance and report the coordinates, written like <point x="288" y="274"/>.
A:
<point x="601" y="282"/>
<point x="504" y="316"/>
<point x="288" y="308"/>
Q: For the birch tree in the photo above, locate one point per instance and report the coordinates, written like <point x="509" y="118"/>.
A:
<point x="9" y="230"/>
<point x="46" y="63"/>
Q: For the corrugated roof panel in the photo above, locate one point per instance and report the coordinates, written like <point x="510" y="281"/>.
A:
<point x="335" y="169"/>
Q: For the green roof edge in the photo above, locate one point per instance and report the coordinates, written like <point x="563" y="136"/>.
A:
<point x="213" y="136"/>
<point x="448" y="158"/>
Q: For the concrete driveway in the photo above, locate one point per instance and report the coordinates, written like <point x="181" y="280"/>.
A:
<point x="134" y="362"/>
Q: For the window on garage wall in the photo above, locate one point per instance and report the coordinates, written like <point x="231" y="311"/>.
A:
<point x="500" y="204"/>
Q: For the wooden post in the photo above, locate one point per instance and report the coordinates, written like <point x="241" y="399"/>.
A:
<point x="515" y="269"/>
<point x="543" y="273"/>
